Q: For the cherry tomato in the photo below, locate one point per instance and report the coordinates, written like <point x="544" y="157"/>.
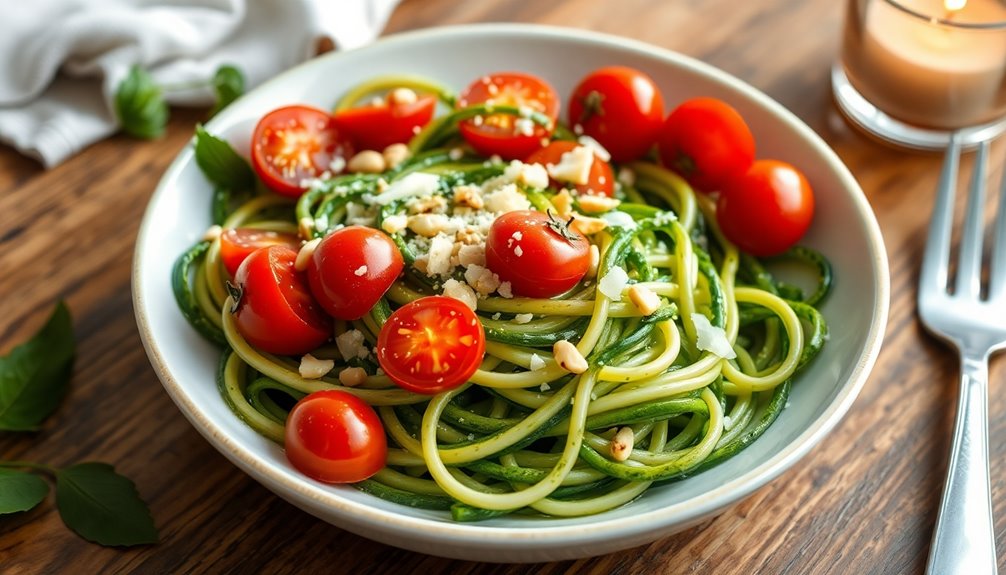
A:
<point x="538" y="254"/>
<point x="377" y="126"/>
<point x="621" y="108"/>
<point x="508" y="136"/>
<point x="238" y="243"/>
<point x="294" y="144"/>
<point x="767" y="210"/>
<point x="276" y="312"/>
<point x="707" y="142"/>
<point x="351" y="269"/>
<point x="430" y="345"/>
<point x="335" y="437"/>
<point x="601" y="180"/>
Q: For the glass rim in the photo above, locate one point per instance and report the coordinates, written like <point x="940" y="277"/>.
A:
<point x="999" y="25"/>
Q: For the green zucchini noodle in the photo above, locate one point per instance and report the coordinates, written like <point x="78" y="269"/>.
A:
<point x="524" y="435"/>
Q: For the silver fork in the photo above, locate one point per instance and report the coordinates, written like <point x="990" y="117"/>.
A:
<point x="964" y="539"/>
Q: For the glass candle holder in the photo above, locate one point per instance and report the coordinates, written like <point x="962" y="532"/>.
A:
<point x="912" y="72"/>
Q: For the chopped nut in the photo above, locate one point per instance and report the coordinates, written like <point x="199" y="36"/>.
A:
<point x="305" y="227"/>
<point x="596" y="203"/>
<point x="595" y="261"/>
<point x="471" y="255"/>
<point x="395" y="223"/>
<point x="212" y="233"/>
<point x="428" y="225"/>
<point x="645" y="300"/>
<point x="402" y="96"/>
<point x="367" y="162"/>
<point x="482" y="279"/>
<point x="563" y="202"/>
<point x="395" y="154"/>
<point x="469" y="235"/>
<point x="469" y="196"/>
<point x="622" y="444"/>
<point x="352" y="376"/>
<point x="587" y="225"/>
<point x="426" y="204"/>
<point x="314" y="368"/>
<point x="305" y="253"/>
<point x="568" y="357"/>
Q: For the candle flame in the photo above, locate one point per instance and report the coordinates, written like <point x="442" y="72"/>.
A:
<point x="954" y="5"/>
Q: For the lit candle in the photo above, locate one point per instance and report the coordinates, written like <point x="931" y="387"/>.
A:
<point x="933" y="68"/>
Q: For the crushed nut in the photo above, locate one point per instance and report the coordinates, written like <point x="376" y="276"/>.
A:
<point x="469" y="196"/>
<point x="367" y="162"/>
<point x="402" y="96"/>
<point x="563" y="202"/>
<point x="645" y="300"/>
<point x="568" y="357"/>
<point x="314" y="368"/>
<point x="428" y="225"/>
<point x="305" y="254"/>
<point x="469" y="235"/>
<point x="395" y="154"/>
<point x="352" y="376"/>
<point x="622" y="444"/>
<point x="395" y="223"/>
<point x="427" y="204"/>
<point x="596" y="203"/>
<point x="587" y="225"/>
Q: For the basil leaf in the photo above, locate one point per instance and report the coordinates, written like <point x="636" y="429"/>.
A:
<point x="34" y="376"/>
<point x="20" y="491"/>
<point x="102" y="506"/>
<point x="228" y="84"/>
<point x="140" y="105"/>
<point x="221" y="164"/>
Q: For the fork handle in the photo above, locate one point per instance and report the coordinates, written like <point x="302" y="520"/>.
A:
<point x="964" y="539"/>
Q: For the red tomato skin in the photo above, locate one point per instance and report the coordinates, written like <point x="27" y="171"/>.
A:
<point x="548" y="264"/>
<point x="632" y="111"/>
<point x="335" y="437"/>
<point x="318" y="143"/>
<point x="601" y="181"/>
<point x="406" y="330"/>
<point x="236" y="244"/>
<point x="767" y="210"/>
<point x="496" y="134"/>
<point x="276" y="313"/>
<point x="707" y="142"/>
<point x="351" y="269"/>
<point x="375" y="127"/>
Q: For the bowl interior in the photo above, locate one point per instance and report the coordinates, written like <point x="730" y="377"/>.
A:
<point x="844" y="229"/>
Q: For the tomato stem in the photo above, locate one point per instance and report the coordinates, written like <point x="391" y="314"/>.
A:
<point x="592" y="105"/>
<point x="560" y="227"/>
<point x="235" y="292"/>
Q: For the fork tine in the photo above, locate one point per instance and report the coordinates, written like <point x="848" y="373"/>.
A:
<point x="935" y="258"/>
<point x="969" y="272"/>
<point x="997" y="280"/>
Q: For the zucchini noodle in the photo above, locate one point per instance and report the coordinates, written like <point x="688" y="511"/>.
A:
<point x="524" y="435"/>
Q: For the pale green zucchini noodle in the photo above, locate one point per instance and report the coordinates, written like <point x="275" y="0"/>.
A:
<point x="538" y="441"/>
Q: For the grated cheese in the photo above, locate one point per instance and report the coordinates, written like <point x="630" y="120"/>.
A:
<point x="712" y="338"/>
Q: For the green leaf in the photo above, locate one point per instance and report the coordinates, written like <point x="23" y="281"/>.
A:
<point x="102" y="506"/>
<point x="221" y="164"/>
<point x="140" y="106"/>
<point x="35" y="376"/>
<point x="228" y="84"/>
<point x="20" y="491"/>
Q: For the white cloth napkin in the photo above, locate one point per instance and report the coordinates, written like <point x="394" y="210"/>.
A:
<point x="61" y="61"/>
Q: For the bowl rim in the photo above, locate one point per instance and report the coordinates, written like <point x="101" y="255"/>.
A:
<point x="547" y="535"/>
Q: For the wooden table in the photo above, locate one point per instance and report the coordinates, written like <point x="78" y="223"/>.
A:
<point x="864" y="501"/>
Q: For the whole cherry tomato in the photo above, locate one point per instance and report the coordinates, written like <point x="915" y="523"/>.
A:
<point x="431" y="345"/>
<point x="707" y="142"/>
<point x="275" y="311"/>
<point x="600" y="181"/>
<point x="510" y="137"/>
<point x="351" y="269"/>
<point x="538" y="254"/>
<point x="335" y="437"/>
<point x="391" y="121"/>
<point x="767" y="210"/>
<point x="294" y="144"/>
<point x="238" y="243"/>
<point x="621" y="108"/>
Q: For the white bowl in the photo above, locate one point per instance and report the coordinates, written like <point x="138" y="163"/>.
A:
<point x="844" y="229"/>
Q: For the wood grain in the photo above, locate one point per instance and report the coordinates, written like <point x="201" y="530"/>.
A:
<point x="862" y="502"/>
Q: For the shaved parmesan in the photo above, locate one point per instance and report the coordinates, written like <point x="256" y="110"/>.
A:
<point x="712" y="338"/>
<point x="536" y="364"/>
<point x="351" y="345"/>
<point x="613" y="283"/>
<point x="596" y="146"/>
<point x="619" y="220"/>
<point x="574" y="166"/>
<point x="414" y="184"/>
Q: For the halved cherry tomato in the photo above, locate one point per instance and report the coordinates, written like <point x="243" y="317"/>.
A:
<point x="294" y="144"/>
<point x="377" y="126"/>
<point x="600" y="181"/>
<point x="538" y="254"/>
<point x="335" y="437"/>
<point x="510" y="137"/>
<point x="767" y="210"/>
<point x="430" y="345"/>
<point x="351" y="269"/>
<point x="276" y="312"/>
<point x="707" y="142"/>
<point x="238" y="243"/>
<point x="621" y="108"/>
